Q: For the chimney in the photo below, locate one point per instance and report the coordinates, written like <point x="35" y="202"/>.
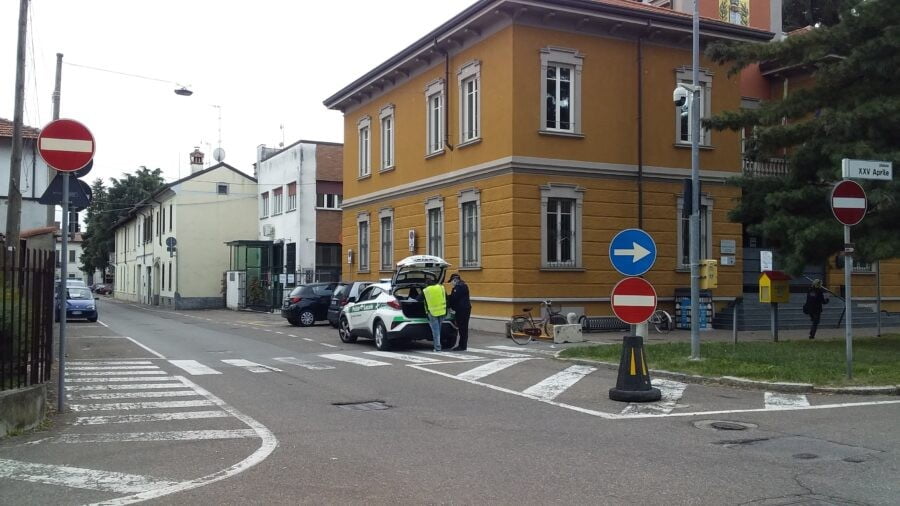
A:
<point x="196" y="160"/>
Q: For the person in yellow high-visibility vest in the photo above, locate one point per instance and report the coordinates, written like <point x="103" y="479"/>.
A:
<point x="436" y="309"/>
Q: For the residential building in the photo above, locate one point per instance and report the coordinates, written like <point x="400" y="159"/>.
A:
<point x="197" y="214"/>
<point x="33" y="180"/>
<point x="300" y="193"/>
<point x="524" y="135"/>
<point x="73" y="260"/>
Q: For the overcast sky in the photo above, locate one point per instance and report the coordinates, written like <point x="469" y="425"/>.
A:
<point x="267" y="63"/>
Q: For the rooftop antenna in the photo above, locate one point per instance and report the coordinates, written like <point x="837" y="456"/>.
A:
<point x="281" y="126"/>
<point x="219" y="153"/>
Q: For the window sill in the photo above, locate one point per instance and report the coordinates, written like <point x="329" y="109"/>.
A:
<point x="263" y="217"/>
<point x="435" y="154"/>
<point x="291" y="210"/>
<point x="366" y="271"/>
<point x="367" y="176"/>
<point x="563" y="269"/>
<point x="471" y="268"/>
<point x="387" y="169"/>
<point x="687" y="145"/>
<point x="386" y="271"/>
<point x="276" y="214"/>
<point x="561" y="133"/>
<point x="328" y="208"/>
<point x="470" y="142"/>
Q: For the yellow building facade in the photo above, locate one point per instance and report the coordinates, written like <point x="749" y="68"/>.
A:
<point x="516" y="141"/>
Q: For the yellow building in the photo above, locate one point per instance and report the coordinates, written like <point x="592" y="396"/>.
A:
<point x="517" y="139"/>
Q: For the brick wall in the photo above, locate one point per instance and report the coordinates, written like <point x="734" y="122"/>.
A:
<point x="328" y="226"/>
<point x="330" y="162"/>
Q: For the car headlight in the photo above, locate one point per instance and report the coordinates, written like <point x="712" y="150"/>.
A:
<point x="90" y="308"/>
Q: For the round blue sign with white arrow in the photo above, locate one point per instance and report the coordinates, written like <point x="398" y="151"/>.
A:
<point x="632" y="252"/>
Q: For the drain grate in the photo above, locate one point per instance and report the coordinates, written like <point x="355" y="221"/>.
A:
<point x="723" y="425"/>
<point x="362" y="406"/>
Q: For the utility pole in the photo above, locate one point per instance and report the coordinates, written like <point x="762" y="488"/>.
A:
<point x="14" y="195"/>
<point x="51" y="210"/>
<point x="694" y="249"/>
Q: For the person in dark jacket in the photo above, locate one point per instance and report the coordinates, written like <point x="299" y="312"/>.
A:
<point x="459" y="302"/>
<point x="815" y="298"/>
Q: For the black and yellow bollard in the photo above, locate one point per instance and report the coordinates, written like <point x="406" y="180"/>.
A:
<point x="633" y="384"/>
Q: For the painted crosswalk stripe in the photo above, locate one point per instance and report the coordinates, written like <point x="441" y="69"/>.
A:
<point x="111" y="367"/>
<point x="125" y="386"/>
<point x="782" y="401"/>
<point x="519" y="349"/>
<point x="250" y="366"/>
<point x="497" y="353"/>
<point x="133" y="395"/>
<point x="553" y="386"/>
<point x="116" y="373"/>
<point x="330" y="345"/>
<point x="454" y="354"/>
<point x="110" y="362"/>
<point x="115" y="379"/>
<point x="78" y="477"/>
<point x="489" y="368"/>
<point x="149" y="417"/>
<point x="402" y="356"/>
<point x="308" y="365"/>
<point x="113" y="406"/>
<point x="671" y="393"/>
<point x="193" y="367"/>
<point x="181" y="435"/>
<point x="340" y="357"/>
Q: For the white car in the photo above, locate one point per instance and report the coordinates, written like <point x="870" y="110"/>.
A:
<point x="392" y="313"/>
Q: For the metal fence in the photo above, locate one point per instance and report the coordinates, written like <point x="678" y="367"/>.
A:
<point x="26" y="316"/>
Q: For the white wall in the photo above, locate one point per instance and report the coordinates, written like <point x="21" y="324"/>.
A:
<point x="32" y="184"/>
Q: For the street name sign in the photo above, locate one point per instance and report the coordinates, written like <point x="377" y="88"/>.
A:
<point x="66" y="145"/>
<point x="633" y="300"/>
<point x="848" y="202"/>
<point x="632" y="252"/>
<point x="867" y="169"/>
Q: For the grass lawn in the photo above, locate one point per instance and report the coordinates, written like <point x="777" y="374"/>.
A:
<point x="876" y="360"/>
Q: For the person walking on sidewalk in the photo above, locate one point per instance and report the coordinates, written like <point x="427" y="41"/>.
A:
<point x="436" y="309"/>
<point x="815" y="298"/>
<point x="462" y="307"/>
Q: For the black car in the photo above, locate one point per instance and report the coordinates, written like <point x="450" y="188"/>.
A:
<point x="308" y="304"/>
<point x="344" y="294"/>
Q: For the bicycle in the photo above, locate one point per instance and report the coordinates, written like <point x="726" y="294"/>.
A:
<point x="523" y="327"/>
<point x="662" y="321"/>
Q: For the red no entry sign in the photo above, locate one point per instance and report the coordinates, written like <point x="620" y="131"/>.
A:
<point x="848" y="202"/>
<point x="66" y="145"/>
<point x="633" y="300"/>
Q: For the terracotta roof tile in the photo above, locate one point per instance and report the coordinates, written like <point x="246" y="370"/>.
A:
<point x="6" y="130"/>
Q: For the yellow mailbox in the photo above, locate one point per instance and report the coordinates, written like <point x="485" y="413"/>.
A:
<point x="709" y="274"/>
<point x="773" y="287"/>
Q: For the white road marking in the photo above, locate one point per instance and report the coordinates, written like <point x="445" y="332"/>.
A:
<point x="144" y="347"/>
<point x="353" y="360"/>
<point x="329" y="345"/>
<point x="402" y="356"/>
<point x="250" y="366"/>
<point x="292" y="335"/>
<point x="78" y="477"/>
<point x="127" y="386"/>
<point x="101" y="323"/>
<point x="277" y="332"/>
<point x="307" y="339"/>
<point x="497" y="353"/>
<point x="520" y="349"/>
<point x="193" y="367"/>
<point x="112" y="362"/>
<point x="115" y="373"/>
<point x="455" y="354"/>
<point x="489" y="368"/>
<point x="552" y="387"/>
<point x="133" y="395"/>
<point x="671" y="393"/>
<point x="111" y="367"/>
<point x="782" y="401"/>
<point x="104" y="379"/>
<point x="138" y="405"/>
<point x="182" y="435"/>
<point x="149" y="417"/>
<point x="297" y="361"/>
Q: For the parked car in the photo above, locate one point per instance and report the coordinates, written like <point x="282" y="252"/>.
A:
<point x="346" y="292"/>
<point x="308" y="304"/>
<point x="102" y="289"/>
<point x="394" y="312"/>
<point x="80" y="303"/>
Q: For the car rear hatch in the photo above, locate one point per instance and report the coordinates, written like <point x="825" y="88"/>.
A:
<point x="412" y="275"/>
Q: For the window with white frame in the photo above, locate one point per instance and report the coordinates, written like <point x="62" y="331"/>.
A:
<point x="434" y="128"/>
<point x="561" y="90"/>
<point x="292" y="196"/>
<point x="470" y="228"/>
<point x="362" y="234"/>
<point x="434" y="212"/>
<point x="386" y="218"/>
<point x="387" y="137"/>
<point x="328" y="201"/>
<point x="682" y="122"/>
<point x="277" y="200"/>
<point x="561" y="210"/>
<point x="684" y="232"/>
<point x="365" y="146"/>
<point x="470" y="102"/>
<point x="264" y="205"/>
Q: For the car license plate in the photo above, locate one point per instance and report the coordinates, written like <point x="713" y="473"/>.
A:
<point x="76" y="312"/>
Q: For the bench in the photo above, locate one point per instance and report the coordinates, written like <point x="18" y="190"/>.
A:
<point x="602" y="324"/>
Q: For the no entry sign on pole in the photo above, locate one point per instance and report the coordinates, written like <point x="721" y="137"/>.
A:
<point x="66" y="145"/>
<point x="633" y="300"/>
<point x="848" y="202"/>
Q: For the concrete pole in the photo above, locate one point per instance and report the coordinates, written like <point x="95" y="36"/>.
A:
<point x="51" y="210"/>
<point x="14" y="195"/>
<point x="878" y="295"/>
<point x="695" y="188"/>
<point x="848" y="306"/>
<point x="63" y="299"/>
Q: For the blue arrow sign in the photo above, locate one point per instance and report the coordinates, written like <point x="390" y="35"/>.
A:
<point x="632" y="252"/>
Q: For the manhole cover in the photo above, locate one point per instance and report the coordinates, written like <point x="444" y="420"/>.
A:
<point x="362" y="406"/>
<point x="723" y="425"/>
<point x="805" y="456"/>
<point x="727" y="426"/>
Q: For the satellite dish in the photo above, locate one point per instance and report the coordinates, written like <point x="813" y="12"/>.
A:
<point x="219" y="154"/>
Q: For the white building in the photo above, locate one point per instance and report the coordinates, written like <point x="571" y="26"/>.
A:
<point x="33" y="179"/>
<point x="300" y="193"/>
<point x="199" y="214"/>
<point x="73" y="264"/>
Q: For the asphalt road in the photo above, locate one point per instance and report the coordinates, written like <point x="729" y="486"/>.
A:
<point x="207" y="407"/>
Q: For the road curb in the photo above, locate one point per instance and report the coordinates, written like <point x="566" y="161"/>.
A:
<point x="733" y="381"/>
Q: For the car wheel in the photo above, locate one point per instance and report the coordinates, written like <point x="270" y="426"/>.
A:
<point x="307" y="318"/>
<point x="294" y="321"/>
<point x="381" y="340"/>
<point x="344" y="332"/>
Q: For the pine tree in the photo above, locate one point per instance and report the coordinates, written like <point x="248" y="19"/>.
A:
<point x="851" y="110"/>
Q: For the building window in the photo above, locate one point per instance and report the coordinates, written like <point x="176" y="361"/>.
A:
<point x="682" y="122"/>
<point x="470" y="102"/>
<point x="328" y="201"/>
<point x="434" y="128"/>
<point x="290" y="261"/>
<point x="362" y="228"/>
<point x="170" y="276"/>
<point x="561" y="206"/>
<point x="684" y="232"/>
<point x="162" y="277"/>
<point x="387" y="239"/>
<point x="470" y="228"/>
<point x="561" y="90"/>
<point x="71" y="256"/>
<point x="292" y="196"/>
<point x="434" y="211"/>
<point x="277" y="200"/>
<point x="365" y="147"/>
<point x="170" y="217"/>
<point x="222" y="188"/>
<point x="387" y="137"/>
<point x="264" y="205"/>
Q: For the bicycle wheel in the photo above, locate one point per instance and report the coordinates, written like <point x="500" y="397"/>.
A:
<point x="661" y="321"/>
<point x="521" y="330"/>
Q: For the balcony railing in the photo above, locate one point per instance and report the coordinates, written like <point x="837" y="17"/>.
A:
<point x="773" y="167"/>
